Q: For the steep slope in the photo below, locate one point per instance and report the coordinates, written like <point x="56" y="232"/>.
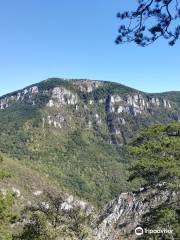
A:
<point x="74" y="131"/>
<point x="124" y="214"/>
<point x="27" y="197"/>
<point x="155" y="207"/>
<point x="172" y="96"/>
<point x="41" y="210"/>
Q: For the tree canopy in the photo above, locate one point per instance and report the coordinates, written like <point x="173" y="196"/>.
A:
<point x="6" y="203"/>
<point x="157" y="153"/>
<point x="153" y="19"/>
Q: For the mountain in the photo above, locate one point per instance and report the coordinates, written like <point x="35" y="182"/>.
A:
<point x="75" y="132"/>
<point x="64" y="156"/>
<point x="122" y="215"/>
<point x="154" y="208"/>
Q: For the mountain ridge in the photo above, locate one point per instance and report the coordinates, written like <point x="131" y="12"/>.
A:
<point x="64" y="152"/>
<point x="42" y="204"/>
<point x="84" y="79"/>
<point x="76" y="131"/>
<point x="62" y="79"/>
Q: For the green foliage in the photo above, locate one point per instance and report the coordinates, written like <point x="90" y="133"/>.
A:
<point x="54" y="222"/>
<point x="35" y="229"/>
<point x="3" y="172"/>
<point x="157" y="155"/>
<point x="172" y="96"/>
<point x="79" y="160"/>
<point x="104" y="91"/>
<point x="51" y="83"/>
<point x="99" y="93"/>
<point x="157" y="150"/>
<point x="6" y="203"/>
<point x="1" y="159"/>
<point x="6" y="215"/>
<point x="163" y="217"/>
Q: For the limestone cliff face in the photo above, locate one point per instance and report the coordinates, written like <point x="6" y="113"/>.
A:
<point x="124" y="213"/>
<point x="95" y="105"/>
<point x="88" y="85"/>
<point x="135" y="104"/>
<point x="25" y="95"/>
<point x="127" y="112"/>
<point x="132" y="104"/>
<point x="46" y="123"/>
<point x="61" y="96"/>
<point x="118" y="219"/>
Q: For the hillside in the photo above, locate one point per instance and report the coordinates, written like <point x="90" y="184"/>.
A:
<point x="40" y="209"/>
<point x="75" y="132"/>
<point x="155" y="205"/>
<point x="27" y="196"/>
<point x="172" y="96"/>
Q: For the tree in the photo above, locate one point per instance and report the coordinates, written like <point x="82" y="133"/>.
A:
<point x="151" y="20"/>
<point x="51" y="221"/>
<point x="6" y="215"/>
<point x="157" y="150"/>
<point x="36" y="228"/>
<point x="157" y="153"/>
<point x="6" y="203"/>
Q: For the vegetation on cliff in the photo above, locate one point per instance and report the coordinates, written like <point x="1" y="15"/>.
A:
<point x="157" y="154"/>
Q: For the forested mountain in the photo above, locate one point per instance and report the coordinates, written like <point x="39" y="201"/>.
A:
<point x="71" y="137"/>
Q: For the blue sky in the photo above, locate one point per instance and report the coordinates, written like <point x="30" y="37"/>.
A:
<point x="75" y="39"/>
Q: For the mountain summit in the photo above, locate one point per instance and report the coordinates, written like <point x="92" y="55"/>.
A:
<point x="65" y="153"/>
<point x="75" y="131"/>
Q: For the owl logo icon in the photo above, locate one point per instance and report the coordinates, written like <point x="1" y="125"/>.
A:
<point x="139" y="231"/>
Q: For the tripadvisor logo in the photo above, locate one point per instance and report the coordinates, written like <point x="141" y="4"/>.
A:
<point x="139" y="231"/>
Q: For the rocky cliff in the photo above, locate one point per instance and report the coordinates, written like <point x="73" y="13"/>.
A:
<point x="124" y="214"/>
<point x="118" y="220"/>
<point x="73" y="134"/>
<point x="95" y="104"/>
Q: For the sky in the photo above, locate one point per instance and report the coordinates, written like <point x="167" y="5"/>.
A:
<point x="40" y="39"/>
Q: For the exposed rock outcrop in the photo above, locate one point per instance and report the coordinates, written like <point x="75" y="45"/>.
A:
<point x="97" y="105"/>
<point x="117" y="221"/>
<point x="56" y="121"/>
<point x="61" y="96"/>
<point x="87" y="85"/>
<point x="134" y="104"/>
<point x="26" y="94"/>
<point x="124" y="214"/>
